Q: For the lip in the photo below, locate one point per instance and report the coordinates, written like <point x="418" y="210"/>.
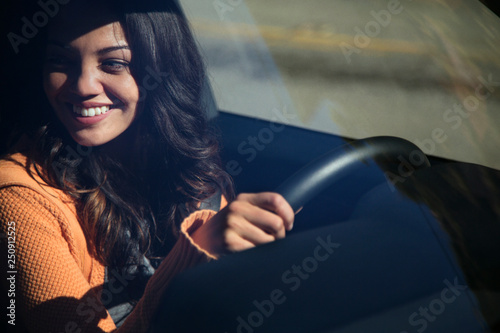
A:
<point x="91" y="104"/>
<point x="90" y="120"/>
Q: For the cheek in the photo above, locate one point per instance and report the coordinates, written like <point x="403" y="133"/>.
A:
<point x="130" y="92"/>
<point x="52" y="83"/>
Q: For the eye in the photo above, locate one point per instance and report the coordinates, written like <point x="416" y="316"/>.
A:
<point x="114" y="66"/>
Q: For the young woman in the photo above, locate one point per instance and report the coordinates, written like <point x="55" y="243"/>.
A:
<point x="114" y="185"/>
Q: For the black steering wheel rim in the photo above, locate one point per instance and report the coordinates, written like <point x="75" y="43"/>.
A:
<point x="324" y="171"/>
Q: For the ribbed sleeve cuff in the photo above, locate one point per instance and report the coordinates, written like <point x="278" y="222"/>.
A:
<point x="192" y="223"/>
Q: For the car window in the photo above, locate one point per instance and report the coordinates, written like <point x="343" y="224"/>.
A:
<point x="426" y="71"/>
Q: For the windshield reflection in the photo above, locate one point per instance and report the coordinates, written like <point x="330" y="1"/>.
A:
<point x="426" y="71"/>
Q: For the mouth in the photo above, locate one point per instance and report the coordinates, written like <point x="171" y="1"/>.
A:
<point x="91" y="112"/>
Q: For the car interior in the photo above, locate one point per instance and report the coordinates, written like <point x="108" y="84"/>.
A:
<point x="387" y="238"/>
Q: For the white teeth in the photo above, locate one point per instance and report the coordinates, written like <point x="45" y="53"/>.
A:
<point x="90" y="112"/>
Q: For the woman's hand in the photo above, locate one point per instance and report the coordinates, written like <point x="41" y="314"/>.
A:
<point x="250" y="220"/>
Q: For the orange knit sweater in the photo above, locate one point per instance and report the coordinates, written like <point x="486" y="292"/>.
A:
<point x="58" y="282"/>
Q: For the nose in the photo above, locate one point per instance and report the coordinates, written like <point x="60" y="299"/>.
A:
<point x="87" y="82"/>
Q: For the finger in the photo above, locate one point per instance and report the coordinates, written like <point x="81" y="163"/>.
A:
<point x="246" y="239"/>
<point x="264" y="219"/>
<point x="248" y="220"/>
<point x="268" y="222"/>
<point x="273" y="202"/>
<point x="238" y="244"/>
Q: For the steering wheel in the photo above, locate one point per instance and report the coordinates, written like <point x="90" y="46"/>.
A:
<point x="390" y="152"/>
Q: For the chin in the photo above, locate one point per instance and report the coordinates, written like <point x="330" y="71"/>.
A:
<point x="90" y="141"/>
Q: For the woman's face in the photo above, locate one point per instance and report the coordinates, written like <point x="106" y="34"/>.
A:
<point x="87" y="80"/>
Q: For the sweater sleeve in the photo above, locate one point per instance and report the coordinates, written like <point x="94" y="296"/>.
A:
<point x="185" y="254"/>
<point x="52" y="294"/>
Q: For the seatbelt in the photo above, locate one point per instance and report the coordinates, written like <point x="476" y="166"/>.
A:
<point x="213" y="202"/>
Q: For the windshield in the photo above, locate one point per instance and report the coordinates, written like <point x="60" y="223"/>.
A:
<point x="426" y="71"/>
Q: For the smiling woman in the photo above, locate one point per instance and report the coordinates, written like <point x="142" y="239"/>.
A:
<point x="115" y="187"/>
<point x="88" y="82"/>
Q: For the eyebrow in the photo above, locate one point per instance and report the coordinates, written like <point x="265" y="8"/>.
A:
<point x="112" y="48"/>
<point x="99" y="52"/>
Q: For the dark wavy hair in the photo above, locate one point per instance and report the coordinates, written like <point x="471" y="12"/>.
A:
<point x="128" y="213"/>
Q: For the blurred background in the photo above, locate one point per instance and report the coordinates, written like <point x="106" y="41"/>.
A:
<point x="427" y="71"/>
